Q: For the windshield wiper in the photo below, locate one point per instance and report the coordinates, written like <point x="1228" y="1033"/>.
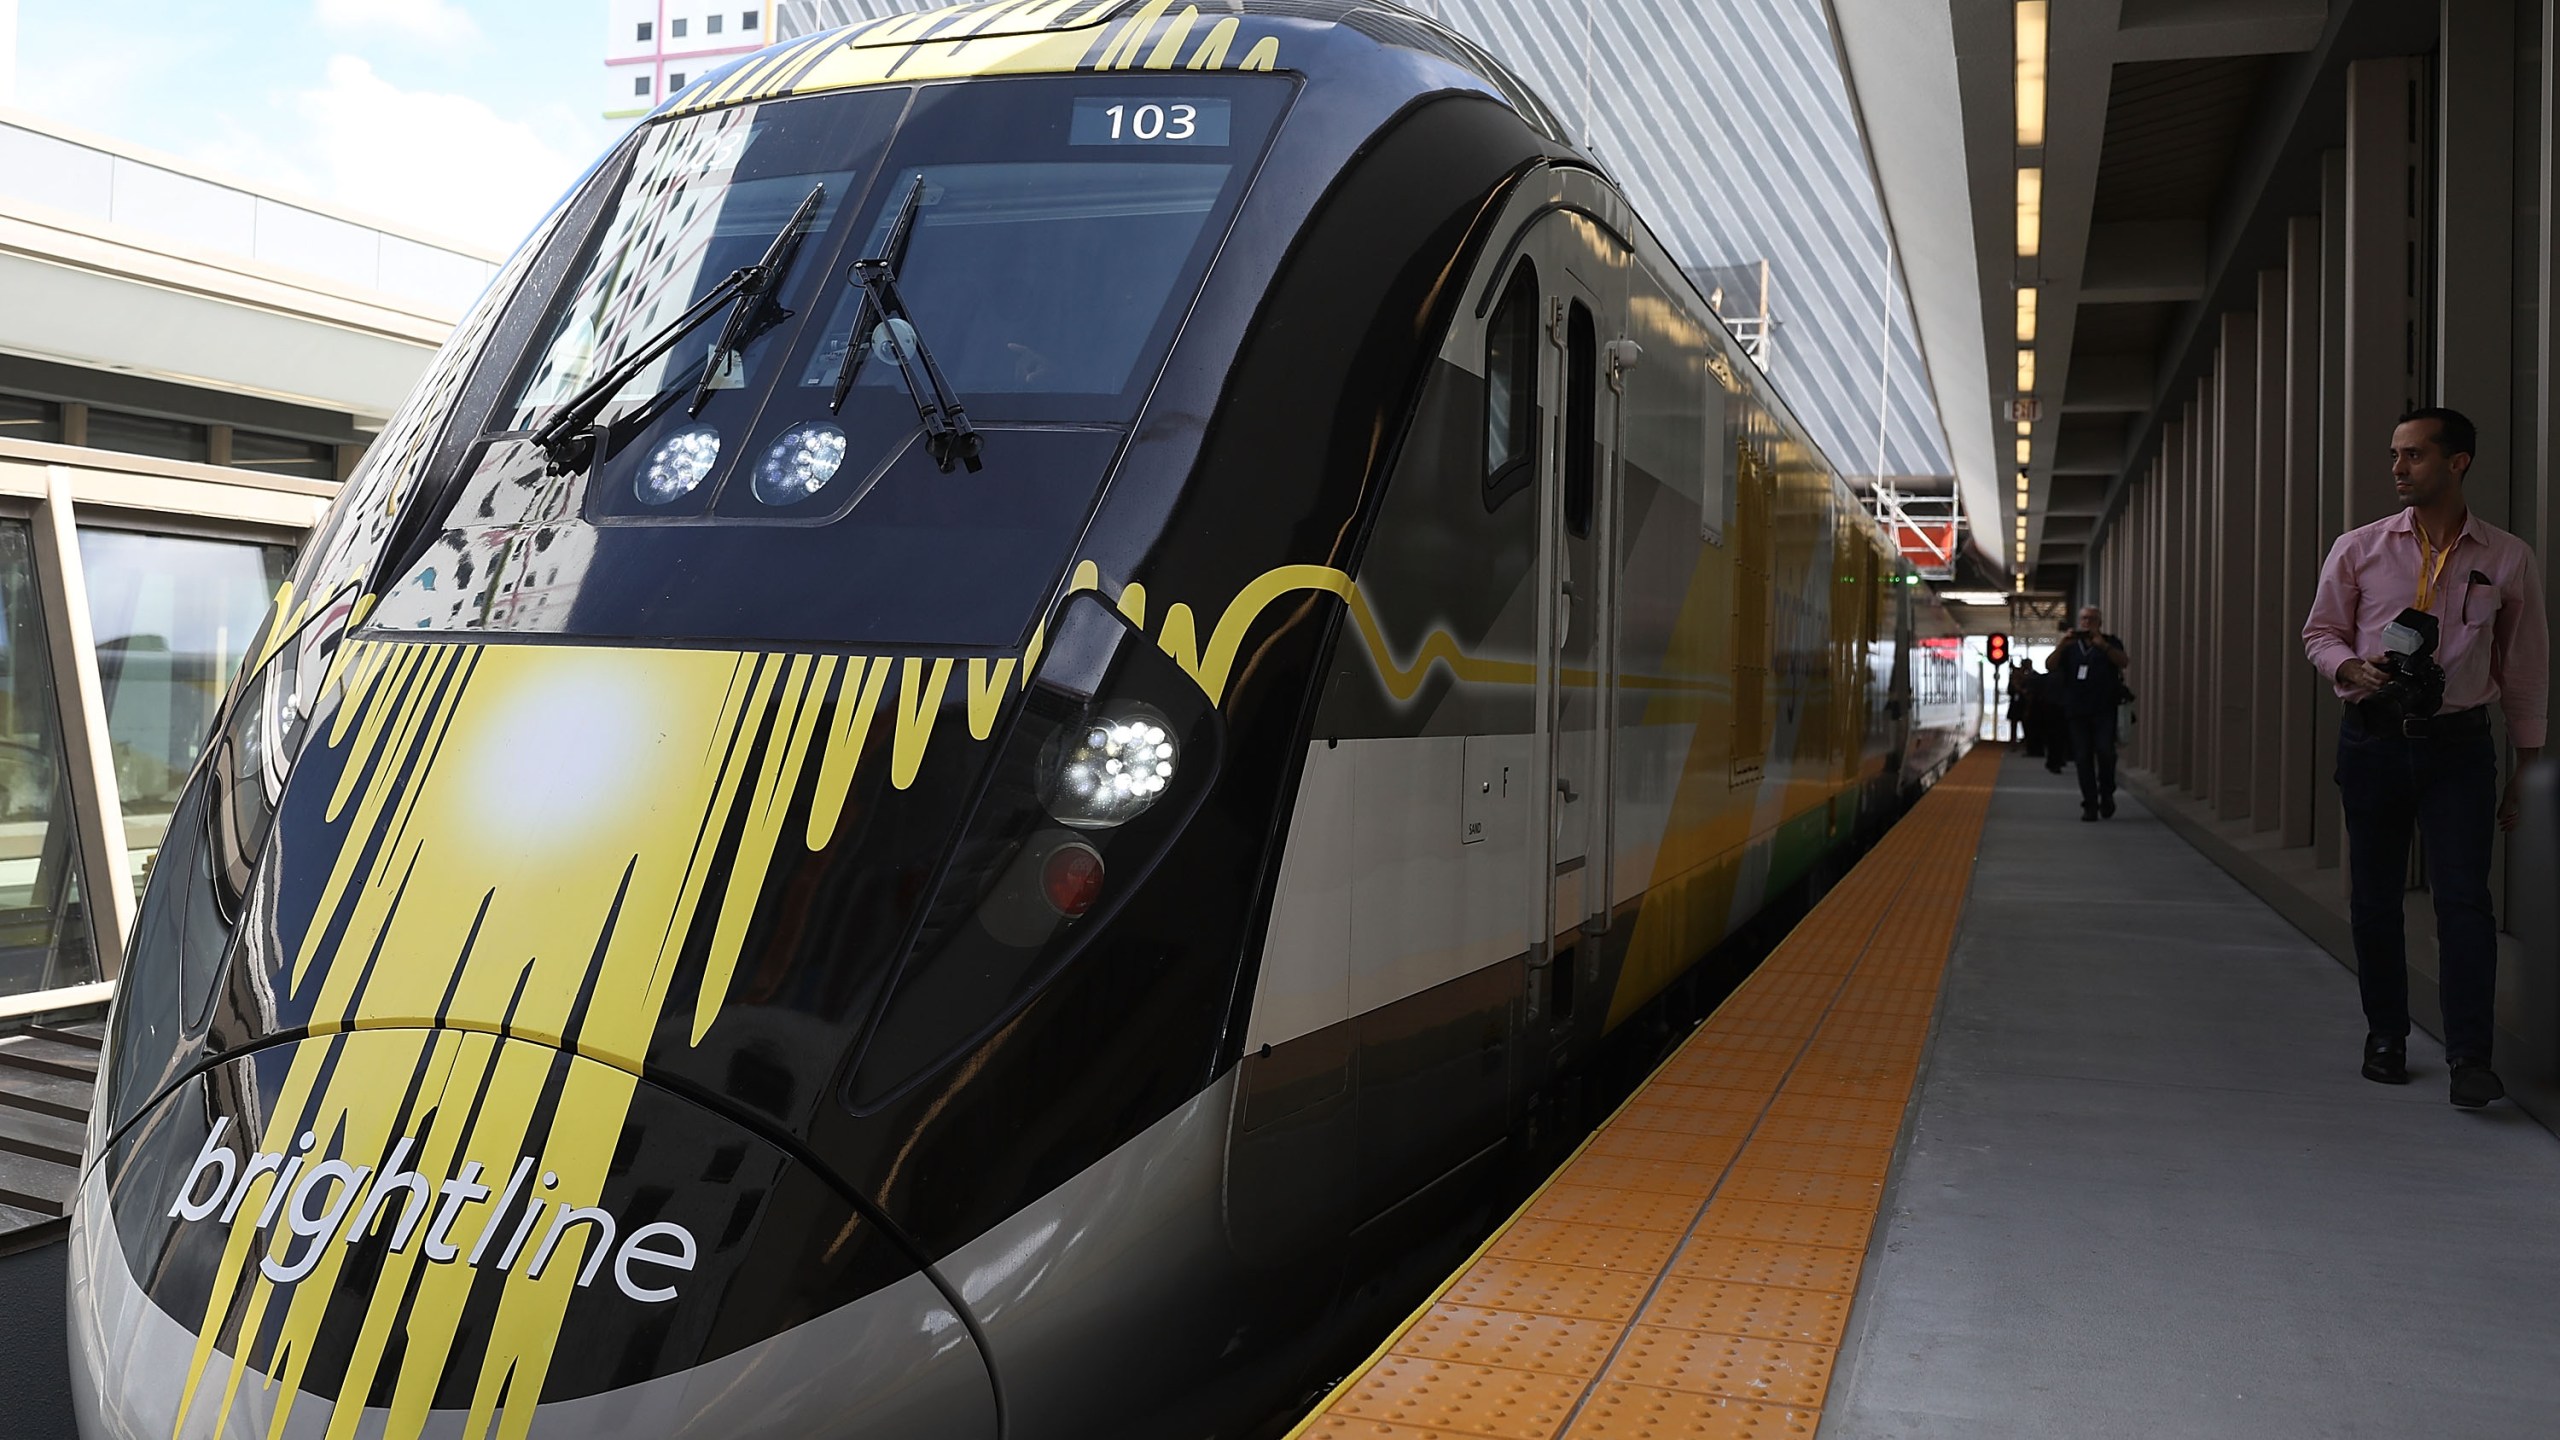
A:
<point x="567" y="437"/>
<point x="754" y="298"/>
<point x="948" y="435"/>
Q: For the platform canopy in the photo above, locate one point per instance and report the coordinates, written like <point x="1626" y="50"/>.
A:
<point x="2078" y="190"/>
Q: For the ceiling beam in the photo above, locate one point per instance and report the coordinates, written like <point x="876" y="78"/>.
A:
<point x="2110" y="384"/>
<point x="2210" y="29"/>
<point x="1899" y="62"/>
<point x="2129" y="260"/>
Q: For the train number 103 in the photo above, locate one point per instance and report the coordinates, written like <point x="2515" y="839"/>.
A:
<point x="1153" y="122"/>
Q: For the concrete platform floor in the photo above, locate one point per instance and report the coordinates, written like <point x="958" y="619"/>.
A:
<point x="2147" y="1194"/>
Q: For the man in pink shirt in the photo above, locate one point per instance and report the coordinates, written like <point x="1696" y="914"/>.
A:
<point x="2408" y="761"/>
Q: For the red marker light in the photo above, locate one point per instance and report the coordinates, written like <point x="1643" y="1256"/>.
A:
<point x="1071" y="878"/>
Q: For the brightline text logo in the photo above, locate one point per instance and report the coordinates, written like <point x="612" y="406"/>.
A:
<point x="313" y="1199"/>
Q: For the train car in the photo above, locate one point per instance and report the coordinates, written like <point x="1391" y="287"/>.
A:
<point x="1947" y="694"/>
<point x="1022" y="691"/>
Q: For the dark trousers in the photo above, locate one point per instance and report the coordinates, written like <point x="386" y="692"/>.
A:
<point x="2093" y="746"/>
<point x="2057" y="734"/>
<point x="2447" y="791"/>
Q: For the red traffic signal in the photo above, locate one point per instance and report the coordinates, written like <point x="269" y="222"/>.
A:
<point x="1997" y="649"/>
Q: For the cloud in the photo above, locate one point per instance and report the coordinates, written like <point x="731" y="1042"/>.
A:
<point x="432" y="21"/>
<point x="446" y="164"/>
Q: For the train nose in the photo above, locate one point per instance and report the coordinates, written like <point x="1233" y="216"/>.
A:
<point x="456" y="1232"/>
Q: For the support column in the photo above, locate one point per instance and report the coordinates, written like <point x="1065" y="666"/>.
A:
<point x="2535" y="520"/>
<point x="2164" y="681"/>
<point x="2475" y="259"/>
<point x="2153" y="685"/>
<point x="2381" y="318"/>
<point x="2271" y="623"/>
<point x="2145" y="509"/>
<point x="2226" y="647"/>
<point x="2328" y="830"/>
<point x="2136" y="582"/>
<point x="2199" y="585"/>
<point x="2173" y="601"/>
<point x="2305" y="784"/>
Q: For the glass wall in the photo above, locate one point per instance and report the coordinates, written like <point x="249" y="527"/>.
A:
<point x="171" y="615"/>
<point x="25" y="418"/>
<point x="283" y="455"/>
<point x="44" y="938"/>
<point x="148" y="435"/>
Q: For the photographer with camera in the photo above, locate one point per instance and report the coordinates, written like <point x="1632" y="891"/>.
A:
<point x="2423" y="620"/>
<point x="2088" y="669"/>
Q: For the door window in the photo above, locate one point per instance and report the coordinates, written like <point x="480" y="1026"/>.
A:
<point x="1511" y="389"/>
<point x="1581" y="418"/>
<point x="44" y="939"/>
<point x="172" y="615"/>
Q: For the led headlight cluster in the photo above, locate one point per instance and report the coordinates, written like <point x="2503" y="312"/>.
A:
<point x="680" y="464"/>
<point x="1111" y="770"/>
<point x="799" y="463"/>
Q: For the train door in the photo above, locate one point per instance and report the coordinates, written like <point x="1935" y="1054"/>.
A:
<point x="1576" y="563"/>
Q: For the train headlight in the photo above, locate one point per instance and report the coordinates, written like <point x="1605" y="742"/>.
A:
<point x="681" y="463"/>
<point x="799" y="463"/>
<point x="1110" y="769"/>
<point x="263" y="733"/>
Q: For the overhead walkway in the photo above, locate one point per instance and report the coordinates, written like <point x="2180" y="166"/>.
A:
<point x="2033" y="1128"/>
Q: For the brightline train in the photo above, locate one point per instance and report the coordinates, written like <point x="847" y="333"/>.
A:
<point x="1014" y="702"/>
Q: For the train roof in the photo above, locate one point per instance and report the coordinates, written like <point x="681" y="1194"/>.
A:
<point x="1065" y="37"/>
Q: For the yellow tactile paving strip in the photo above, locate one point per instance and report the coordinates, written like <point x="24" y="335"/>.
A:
<point x="1687" y="1274"/>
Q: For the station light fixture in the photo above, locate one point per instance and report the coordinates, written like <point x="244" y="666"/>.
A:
<point x="2026" y="450"/>
<point x="2030" y="82"/>
<point x="2026" y="372"/>
<point x="2026" y="427"/>
<point x="2026" y="314"/>
<point x="2030" y="210"/>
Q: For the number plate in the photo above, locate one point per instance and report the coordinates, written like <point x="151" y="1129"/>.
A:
<point x="1134" y="120"/>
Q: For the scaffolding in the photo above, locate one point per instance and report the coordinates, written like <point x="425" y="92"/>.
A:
<point x="1925" y="527"/>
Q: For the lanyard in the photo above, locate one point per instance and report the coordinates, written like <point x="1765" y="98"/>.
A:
<point x="2430" y="573"/>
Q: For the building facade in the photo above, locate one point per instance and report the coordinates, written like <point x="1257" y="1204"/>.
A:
<point x="188" y="367"/>
<point x="654" y="48"/>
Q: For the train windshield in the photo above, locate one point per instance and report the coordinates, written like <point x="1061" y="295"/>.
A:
<point x="760" y="478"/>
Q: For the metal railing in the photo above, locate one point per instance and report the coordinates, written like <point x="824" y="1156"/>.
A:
<point x="97" y="179"/>
<point x="1926" y="528"/>
<point x="1756" y="332"/>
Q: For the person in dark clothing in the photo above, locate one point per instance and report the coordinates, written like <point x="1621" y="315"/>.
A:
<point x="2057" y="732"/>
<point x="2022" y="708"/>
<point x="2090" y="666"/>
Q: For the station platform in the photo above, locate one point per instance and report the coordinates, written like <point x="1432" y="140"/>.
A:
<point x="2031" y="1128"/>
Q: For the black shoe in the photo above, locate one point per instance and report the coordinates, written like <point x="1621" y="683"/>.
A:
<point x="2475" y="1084"/>
<point x="2386" y="1059"/>
<point x="2106" y="807"/>
<point x="2089" y="813"/>
<point x="2053" y="769"/>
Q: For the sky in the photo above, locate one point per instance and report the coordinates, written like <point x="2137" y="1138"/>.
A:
<point x="463" y="119"/>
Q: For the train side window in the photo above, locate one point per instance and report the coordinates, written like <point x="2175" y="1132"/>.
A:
<point x="1511" y="389"/>
<point x="1581" y="417"/>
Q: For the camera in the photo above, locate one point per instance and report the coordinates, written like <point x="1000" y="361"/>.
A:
<point x="2413" y="684"/>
